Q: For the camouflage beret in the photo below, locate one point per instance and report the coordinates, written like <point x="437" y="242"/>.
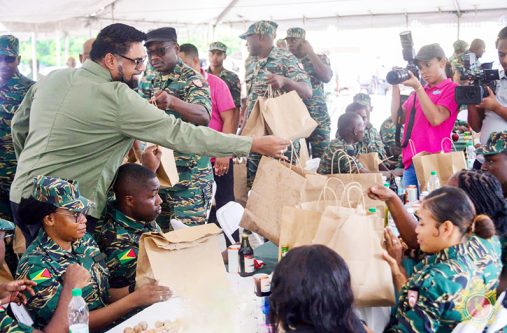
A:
<point x="267" y="28"/>
<point x="497" y="143"/>
<point x="218" y="46"/>
<point x="61" y="193"/>
<point x="6" y="225"/>
<point x="9" y="46"/>
<point x="296" y="33"/>
<point x="460" y="46"/>
<point x="363" y="99"/>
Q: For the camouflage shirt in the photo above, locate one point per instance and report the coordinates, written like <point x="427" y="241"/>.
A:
<point x="280" y="62"/>
<point x="232" y="81"/>
<point x="319" y="96"/>
<point x="448" y="287"/>
<point x="388" y="137"/>
<point x="12" y="93"/>
<point x="190" y="87"/>
<point x="119" y="241"/>
<point x="10" y="325"/>
<point x="372" y="143"/>
<point x="45" y="263"/>
<point x="339" y="157"/>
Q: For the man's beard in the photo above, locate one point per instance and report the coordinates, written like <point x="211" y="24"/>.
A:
<point x="132" y="83"/>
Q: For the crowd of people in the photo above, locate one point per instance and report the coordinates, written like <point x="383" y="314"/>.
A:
<point x="80" y="150"/>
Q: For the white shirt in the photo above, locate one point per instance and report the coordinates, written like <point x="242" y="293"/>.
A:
<point x="492" y="122"/>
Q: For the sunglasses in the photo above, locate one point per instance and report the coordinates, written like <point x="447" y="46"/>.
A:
<point x="7" y="59"/>
<point x="139" y="62"/>
<point x="159" y="52"/>
<point x="75" y="215"/>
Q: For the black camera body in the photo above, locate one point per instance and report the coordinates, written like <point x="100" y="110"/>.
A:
<point x="478" y="79"/>
<point x="397" y="76"/>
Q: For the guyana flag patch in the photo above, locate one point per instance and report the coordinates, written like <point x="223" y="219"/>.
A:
<point x="127" y="256"/>
<point x="40" y="276"/>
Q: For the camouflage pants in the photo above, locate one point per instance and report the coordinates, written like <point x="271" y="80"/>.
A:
<point x="253" y="160"/>
<point x="319" y="139"/>
<point x="190" y="206"/>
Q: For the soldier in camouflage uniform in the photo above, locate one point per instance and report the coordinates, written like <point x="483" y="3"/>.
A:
<point x="495" y="153"/>
<point x="388" y="136"/>
<point x="133" y="213"/>
<point x="318" y="68"/>
<point x="190" y="199"/>
<point x="270" y="65"/>
<point x="456" y="60"/>
<point x="340" y="155"/>
<point x="13" y="87"/>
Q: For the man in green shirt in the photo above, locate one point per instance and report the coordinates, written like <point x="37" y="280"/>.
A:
<point x="80" y="123"/>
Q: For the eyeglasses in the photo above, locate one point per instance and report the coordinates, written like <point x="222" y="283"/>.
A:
<point x="7" y="59"/>
<point x="137" y="61"/>
<point x="75" y="215"/>
<point x="159" y="52"/>
<point x="6" y="236"/>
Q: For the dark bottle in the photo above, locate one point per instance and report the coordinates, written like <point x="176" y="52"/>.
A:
<point x="246" y="257"/>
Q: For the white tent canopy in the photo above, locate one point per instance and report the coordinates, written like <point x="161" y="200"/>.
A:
<point x="76" y="16"/>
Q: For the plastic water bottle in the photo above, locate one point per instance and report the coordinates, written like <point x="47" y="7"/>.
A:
<point x="471" y="155"/>
<point x="433" y="182"/>
<point x="78" y="313"/>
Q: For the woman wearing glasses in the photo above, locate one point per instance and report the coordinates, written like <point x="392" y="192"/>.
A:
<point x="57" y="205"/>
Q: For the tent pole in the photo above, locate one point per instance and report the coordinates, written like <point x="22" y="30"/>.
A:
<point x="34" y="55"/>
<point x="225" y="11"/>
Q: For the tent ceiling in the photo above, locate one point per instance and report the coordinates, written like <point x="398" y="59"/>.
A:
<point x="68" y="15"/>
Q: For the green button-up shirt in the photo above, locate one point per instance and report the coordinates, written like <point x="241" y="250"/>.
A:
<point x="10" y="325"/>
<point x="79" y="124"/>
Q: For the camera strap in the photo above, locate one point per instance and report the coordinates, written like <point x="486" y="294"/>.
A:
<point x="408" y="130"/>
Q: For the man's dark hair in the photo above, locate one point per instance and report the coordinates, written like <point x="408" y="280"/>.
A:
<point x="501" y="35"/>
<point x="346" y="123"/>
<point x="355" y="107"/>
<point x="131" y="178"/>
<point x="116" y="39"/>
<point x="190" y="50"/>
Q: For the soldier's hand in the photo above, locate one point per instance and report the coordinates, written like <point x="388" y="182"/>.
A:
<point x="393" y="245"/>
<point x="151" y="158"/>
<point x="164" y="100"/>
<point x="13" y="291"/>
<point x="270" y="146"/>
<point x="221" y="165"/>
<point x="76" y="276"/>
<point x="150" y="293"/>
<point x="381" y="193"/>
<point x="276" y="81"/>
<point x="306" y="47"/>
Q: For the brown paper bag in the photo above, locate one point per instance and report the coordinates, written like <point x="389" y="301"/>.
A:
<point x="298" y="227"/>
<point x="240" y="184"/>
<point x="185" y="260"/>
<point x="277" y="184"/>
<point x="370" y="161"/>
<point x="287" y="116"/>
<point x="445" y="164"/>
<point x="304" y="154"/>
<point x="167" y="172"/>
<point x="255" y="124"/>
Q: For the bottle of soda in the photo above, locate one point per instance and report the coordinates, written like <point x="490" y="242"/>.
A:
<point x="471" y="155"/>
<point x="433" y="181"/>
<point x="246" y="257"/>
<point x="78" y="313"/>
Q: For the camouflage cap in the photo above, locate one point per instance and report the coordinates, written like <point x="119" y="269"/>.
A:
<point x="61" y="193"/>
<point x="497" y="143"/>
<point x="9" y="46"/>
<point x="296" y="33"/>
<point x="460" y="46"/>
<point x="363" y="99"/>
<point x="6" y="225"/>
<point x="261" y="27"/>
<point x="218" y="46"/>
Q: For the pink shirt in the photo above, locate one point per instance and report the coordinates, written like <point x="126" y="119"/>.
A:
<point x="426" y="137"/>
<point x="221" y="100"/>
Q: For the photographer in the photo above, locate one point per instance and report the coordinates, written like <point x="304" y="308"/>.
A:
<point x="430" y="111"/>
<point x="491" y="115"/>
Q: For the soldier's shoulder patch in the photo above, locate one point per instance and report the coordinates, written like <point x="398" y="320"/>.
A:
<point x="126" y="256"/>
<point x="40" y="276"/>
<point x="198" y="83"/>
<point x="412" y="296"/>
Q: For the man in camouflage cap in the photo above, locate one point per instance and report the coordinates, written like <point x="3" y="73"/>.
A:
<point x="216" y="56"/>
<point x="495" y="152"/>
<point x="13" y="87"/>
<point x="456" y="60"/>
<point x="189" y="100"/>
<point x="269" y="65"/>
<point x="318" y="68"/>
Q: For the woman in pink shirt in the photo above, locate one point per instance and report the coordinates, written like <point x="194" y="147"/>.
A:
<point x="429" y="112"/>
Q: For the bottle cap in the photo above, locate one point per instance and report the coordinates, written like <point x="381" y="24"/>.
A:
<point x="386" y="184"/>
<point x="433" y="173"/>
<point x="372" y="210"/>
<point x="77" y="292"/>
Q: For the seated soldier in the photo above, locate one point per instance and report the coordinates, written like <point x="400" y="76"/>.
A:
<point x="133" y="213"/>
<point x="388" y="136"/>
<point x="75" y="277"/>
<point x="57" y="205"/>
<point x="340" y="155"/>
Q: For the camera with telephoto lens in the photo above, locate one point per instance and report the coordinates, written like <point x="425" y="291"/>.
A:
<point x="479" y="79"/>
<point x="397" y="76"/>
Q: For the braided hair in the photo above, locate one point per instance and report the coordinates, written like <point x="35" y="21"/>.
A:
<point x="485" y="191"/>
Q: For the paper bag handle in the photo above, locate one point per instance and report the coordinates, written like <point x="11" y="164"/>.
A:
<point x="353" y="186"/>
<point x="412" y="147"/>
<point x="444" y="140"/>
<point x="327" y="188"/>
<point x="349" y="158"/>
